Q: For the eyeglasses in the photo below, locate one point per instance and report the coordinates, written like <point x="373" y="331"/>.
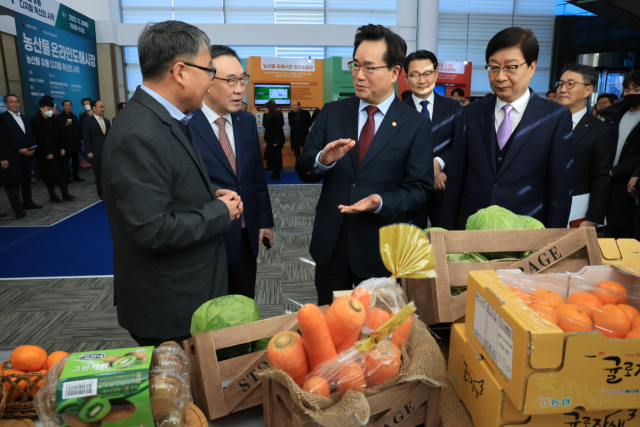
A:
<point x="12" y="102"/>
<point x="426" y="75"/>
<point x="211" y="71"/>
<point x="234" y="81"/>
<point x="508" y="69"/>
<point x="570" y="84"/>
<point x="355" y="68"/>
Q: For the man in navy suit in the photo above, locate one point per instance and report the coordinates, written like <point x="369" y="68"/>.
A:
<point x="513" y="149"/>
<point x="16" y="130"/>
<point x="375" y="155"/>
<point x="227" y="139"/>
<point x="421" y="73"/>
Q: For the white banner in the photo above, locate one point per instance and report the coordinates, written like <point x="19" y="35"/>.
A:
<point x="451" y="67"/>
<point x="285" y="64"/>
<point x="42" y="10"/>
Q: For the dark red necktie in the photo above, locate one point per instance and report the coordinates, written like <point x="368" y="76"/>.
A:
<point x="367" y="133"/>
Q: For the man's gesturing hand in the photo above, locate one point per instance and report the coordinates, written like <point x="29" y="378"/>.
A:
<point x="223" y="192"/>
<point x="370" y="203"/>
<point x="336" y="150"/>
<point x="234" y="204"/>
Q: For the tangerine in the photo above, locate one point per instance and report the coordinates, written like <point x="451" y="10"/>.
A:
<point x="631" y="311"/>
<point x="635" y="323"/>
<point x="22" y="384"/>
<point x="547" y="296"/>
<point x="587" y="302"/>
<point x="39" y="383"/>
<point x="572" y="318"/>
<point x="55" y="357"/>
<point x="634" y="333"/>
<point x="29" y="358"/>
<point x="521" y="294"/>
<point x="611" y="293"/>
<point x="612" y="321"/>
<point x="546" y="311"/>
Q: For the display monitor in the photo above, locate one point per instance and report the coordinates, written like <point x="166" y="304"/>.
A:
<point x="440" y="90"/>
<point x="279" y="93"/>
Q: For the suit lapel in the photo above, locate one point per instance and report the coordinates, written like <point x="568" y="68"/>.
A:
<point x="487" y="122"/>
<point x="350" y="127"/>
<point x="202" y="126"/>
<point x="582" y="128"/>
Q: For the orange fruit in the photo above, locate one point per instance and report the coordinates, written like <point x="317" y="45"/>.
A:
<point x="611" y="293"/>
<point x="612" y="321"/>
<point x="28" y="358"/>
<point x="55" y="357"/>
<point x="631" y="312"/>
<point x="522" y="294"/>
<point x="22" y="384"/>
<point x="39" y="383"/>
<point x="546" y="311"/>
<point x="635" y="333"/>
<point x="1" y="370"/>
<point x="547" y="296"/>
<point x="635" y="323"/>
<point x="587" y="302"/>
<point x="572" y="318"/>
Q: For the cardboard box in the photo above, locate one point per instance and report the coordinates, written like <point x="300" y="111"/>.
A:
<point x="542" y="369"/>
<point x="557" y="250"/>
<point x="624" y="253"/>
<point x="475" y="384"/>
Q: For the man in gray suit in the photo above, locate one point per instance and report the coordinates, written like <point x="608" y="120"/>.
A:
<point x="167" y="221"/>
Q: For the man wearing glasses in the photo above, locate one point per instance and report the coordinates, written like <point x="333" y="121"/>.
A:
<point x="375" y="155"/>
<point x="227" y="139"/>
<point x="513" y="149"/>
<point x="167" y="221"/>
<point x="421" y="74"/>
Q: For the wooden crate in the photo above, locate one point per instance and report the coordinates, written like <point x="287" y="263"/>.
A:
<point x="220" y="388"/>
<point x="409" y="404"/>
<point x="433" y="296"/>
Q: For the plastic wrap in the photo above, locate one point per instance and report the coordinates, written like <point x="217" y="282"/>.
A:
<point x="385" y="298"/>
<point x="168" y="390"/>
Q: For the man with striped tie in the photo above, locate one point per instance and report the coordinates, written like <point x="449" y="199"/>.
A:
<point x="227" y="139"/>
<point x="421" y="74"/>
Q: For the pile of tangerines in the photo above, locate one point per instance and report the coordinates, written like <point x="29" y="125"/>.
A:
<point x="604" y="309"/>
<point x="30" y="359"/>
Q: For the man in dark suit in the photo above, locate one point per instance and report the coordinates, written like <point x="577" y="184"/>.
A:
<point x="299" y="124"/>
<point x="593" y="147"/>
<point x="94" y="134"/>
<point x="167" y="221"/>
<point x="421" y="73"/>
<point x="625" y="116"/>
<point x="72" y="134"/>
<point x="227" y="139"/>
<point x="513" y="149"/>
<point x="375" y="155"/>
<point x="16" y="129"/>
<point x="88" y="112"/>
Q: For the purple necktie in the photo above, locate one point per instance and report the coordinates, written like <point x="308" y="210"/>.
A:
<point x="505" y="130"/>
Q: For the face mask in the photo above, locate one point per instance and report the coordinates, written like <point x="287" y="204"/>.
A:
<point x="87" y="107"/>
<point x="48" y="113"/>
<point x="632" y="100"/>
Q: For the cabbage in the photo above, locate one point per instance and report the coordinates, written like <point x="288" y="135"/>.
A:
<point x="468" y="257"/>
<point x="224" y="312"/>
<point x="260" y="345"/>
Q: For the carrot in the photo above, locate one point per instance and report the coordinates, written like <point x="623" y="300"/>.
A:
<point x="286" y="352"/>
<point x="376" y="318"/>
<point x="401" y="334"/>
<point x="317" y="385"/>
<point x="381" y="363"/>
<point x="344" y="317"/>
<point x="349" y="341"/>
<point x="317" y="339"/>
<point x="363" y="295"/>
<point x="351" y="377"/>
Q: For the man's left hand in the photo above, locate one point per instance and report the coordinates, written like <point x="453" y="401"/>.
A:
<point x="268" y="233"/>
<point x="223" y="192"/>
<point x="440" y="181"/>
<point x="367" y="204"/>
<point x="631" y="186"/>
<point x="4" y="164"/>
<point x="587" y="224"/>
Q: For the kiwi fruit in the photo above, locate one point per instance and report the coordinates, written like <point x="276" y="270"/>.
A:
<point x="121" y="409"/>
<point x="140" y="355"/>
<point x="73" y="420"/>
<point x="95" y="410"/>
<point x="72" y="405"/>
<point x="124" y="362"/>
<point x="111" y="359"/>
<point x="166" y="360"/>
<point x="164" y="393"/>
<point x="171" y="344"/>
<point x="174" y="418"/>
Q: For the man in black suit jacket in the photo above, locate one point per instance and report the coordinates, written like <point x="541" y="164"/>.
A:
<point x="513" y="149"/>
<point x="593" y="146"/>
<point x="227" y="139"/>
<point x="299" y="124"/>
<point x="88" y="112"/>
<point x="16" y="130"/>
<point x="375" y="155"/>
<point x="421" y="74"/>
<point x="626" y="120"/>
<point x="94" y="134"/>
<point x="72" y="133"/>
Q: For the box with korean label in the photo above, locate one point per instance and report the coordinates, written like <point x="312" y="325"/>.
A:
<point x="542" y="369"/>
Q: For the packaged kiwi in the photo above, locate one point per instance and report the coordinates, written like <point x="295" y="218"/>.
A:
<point x="117" y="388"/>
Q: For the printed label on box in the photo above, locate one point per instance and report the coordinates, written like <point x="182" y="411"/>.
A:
<point x="495" y="335"/>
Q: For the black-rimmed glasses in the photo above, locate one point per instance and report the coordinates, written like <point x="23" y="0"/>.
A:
<point x="355" y="68"/>
<point x="232" y="82"/>
<point x="508" y="69"/>
<point x="570" y="84"/>
<point x="211" y="71"/>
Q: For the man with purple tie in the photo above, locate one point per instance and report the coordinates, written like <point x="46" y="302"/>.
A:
<point x="513" y="149"/>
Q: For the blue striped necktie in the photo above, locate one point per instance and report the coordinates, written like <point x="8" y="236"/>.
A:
<point x="425" y="110"/>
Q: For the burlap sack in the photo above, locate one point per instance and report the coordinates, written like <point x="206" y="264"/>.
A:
<point x="421" y="360"/>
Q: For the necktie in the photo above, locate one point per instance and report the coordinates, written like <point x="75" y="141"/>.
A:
<point x="104" y="131"/>
<point x="505" y="128"/>
<point x="367" y="133"/>
<point x="187" y="132"/>
<point x="224" y="142"/>
<point x="425" y="110"/>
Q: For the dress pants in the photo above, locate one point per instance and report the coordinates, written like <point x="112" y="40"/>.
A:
<point x="296" y="144"/>
<point x="337" y="274"/>
<point x="13" y="193"/>
<point x="75" y="163"/>
<point x="26" y="163"/>
<point x="64" y="187"/>
<point x="242" y="271"/>
<point x="146" y="342"/>
<point x="96" y="164"/>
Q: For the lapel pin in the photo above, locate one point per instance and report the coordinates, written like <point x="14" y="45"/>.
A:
<point x="586" y="126"/>
<point x="394" y="124"/>
<point x="238" y="118"/>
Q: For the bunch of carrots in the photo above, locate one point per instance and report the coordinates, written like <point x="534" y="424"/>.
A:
<point x="324" y="359"/>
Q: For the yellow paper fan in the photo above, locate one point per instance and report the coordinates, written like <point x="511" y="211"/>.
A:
<point x="407" y="252"/>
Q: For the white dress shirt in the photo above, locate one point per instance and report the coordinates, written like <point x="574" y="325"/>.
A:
<point x="519" y="106"/>
<point x="19" y="120"/>
<point x="212" y="116"/>
<point x="431" y="99"/>
<point x="575" y="118"/>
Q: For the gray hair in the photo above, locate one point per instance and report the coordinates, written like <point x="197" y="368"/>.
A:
<point x="589" y="74"/>
<point x="6" y="97"/>
<point x="162" y="43"/>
